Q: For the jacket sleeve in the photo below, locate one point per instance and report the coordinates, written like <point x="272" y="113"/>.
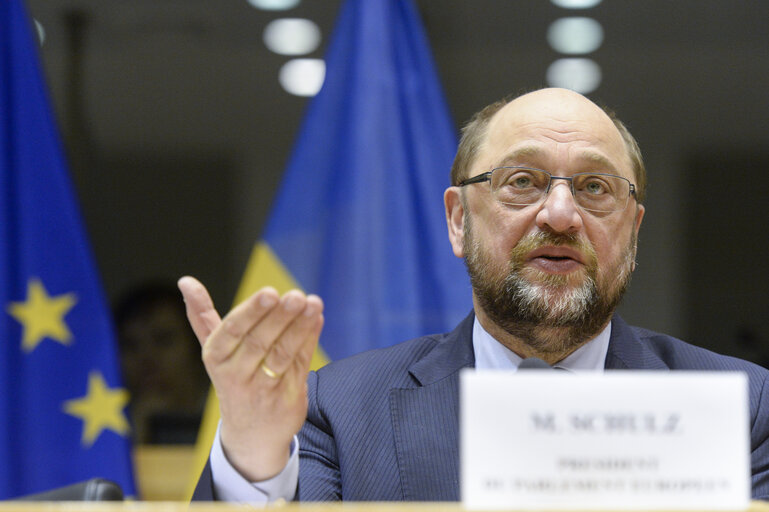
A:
<point x="204" y="490"/>
<point x="319" y="475"/>
<point x="759" y="444"/>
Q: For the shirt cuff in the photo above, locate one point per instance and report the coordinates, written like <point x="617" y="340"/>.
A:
<point x="230" y="485"/>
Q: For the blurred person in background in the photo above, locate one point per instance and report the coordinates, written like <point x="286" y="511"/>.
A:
<point x="161" y="365"/>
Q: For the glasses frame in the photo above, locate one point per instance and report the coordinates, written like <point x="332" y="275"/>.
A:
<point x="486" y="176"/>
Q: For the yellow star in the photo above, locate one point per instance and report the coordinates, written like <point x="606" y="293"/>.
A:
<point x="42" y="315"/>
<point x="101" y="408"/>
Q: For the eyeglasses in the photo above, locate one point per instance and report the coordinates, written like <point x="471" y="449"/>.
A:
<point x="524" y="186"/>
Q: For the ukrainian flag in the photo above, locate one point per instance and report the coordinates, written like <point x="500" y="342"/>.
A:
<point x="359" y="217"/>
<point x="62" y="409"/>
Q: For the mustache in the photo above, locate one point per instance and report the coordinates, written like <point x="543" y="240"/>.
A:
<point x="538" y="239"/>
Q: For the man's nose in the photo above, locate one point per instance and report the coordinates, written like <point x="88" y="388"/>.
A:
<point x="559" y="212"/>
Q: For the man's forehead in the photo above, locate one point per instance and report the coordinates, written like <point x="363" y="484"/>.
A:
<point x="551" y="105"/>
<point x="565" y="114"/>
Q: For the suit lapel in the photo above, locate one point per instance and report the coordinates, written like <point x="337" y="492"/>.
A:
<point x="626" y="352"/>
<point x="425" y="419"/>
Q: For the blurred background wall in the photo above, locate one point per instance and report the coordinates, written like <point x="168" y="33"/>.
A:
<point x="178" y="131"/>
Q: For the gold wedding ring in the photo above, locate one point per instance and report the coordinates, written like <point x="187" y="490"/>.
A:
<point x="269" y="372"/>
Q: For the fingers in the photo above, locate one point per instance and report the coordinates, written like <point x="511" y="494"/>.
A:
<point x="303" y="359"/>
<point x="298" y="339"/>
<point x="200" y="308"/>
<point x="307" y="350"/>
<point x="297" y="344"/>
<point x="239" y="331"/>
<point x="291" y="331"/>
<point x="268" y="357"/>
<point x="260" y="337"/>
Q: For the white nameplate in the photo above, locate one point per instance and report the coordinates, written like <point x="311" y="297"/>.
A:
<point x="542" y="439"/>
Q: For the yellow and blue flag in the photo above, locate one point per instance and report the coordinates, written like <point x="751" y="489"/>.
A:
<point x="62" y="407"/>
<point x="359" y="217"/>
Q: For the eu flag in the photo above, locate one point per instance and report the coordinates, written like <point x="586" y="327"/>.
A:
<point x="62" y="408"/>
<point x="359" y="217"/>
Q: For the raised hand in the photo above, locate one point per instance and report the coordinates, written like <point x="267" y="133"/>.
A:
<point x="257" y="357"/>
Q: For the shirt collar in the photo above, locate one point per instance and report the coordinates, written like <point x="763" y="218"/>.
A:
<point x="492" y="355"/>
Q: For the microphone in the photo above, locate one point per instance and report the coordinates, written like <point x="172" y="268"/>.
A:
<point x="534" y="363"/>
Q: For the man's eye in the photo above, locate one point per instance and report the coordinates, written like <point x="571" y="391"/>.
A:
<point x="595" y="188"/>
<point x="521" y="181"/>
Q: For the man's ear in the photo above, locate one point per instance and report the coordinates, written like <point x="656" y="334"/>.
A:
<point x="455" y="219"/>
<point x="639" y="215"/>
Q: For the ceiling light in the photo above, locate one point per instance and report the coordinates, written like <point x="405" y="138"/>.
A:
<point x="292" y="36"/>
<point x="575" y="35"/>
<point x="274" y="5"/>
<point x="576" y="4"/>
<point x="302" y="77"/>
<point x="40" y="32"/>
<point x="580" y="75"/>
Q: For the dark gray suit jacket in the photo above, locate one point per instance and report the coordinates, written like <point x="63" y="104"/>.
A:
<point x="383" y="425"/>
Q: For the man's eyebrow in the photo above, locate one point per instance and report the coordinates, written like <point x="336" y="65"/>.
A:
<point x="598" y="159"/>
<point x="514" y="157"/>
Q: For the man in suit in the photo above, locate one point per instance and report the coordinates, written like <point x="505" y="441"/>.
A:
<point x="545" y="207"/>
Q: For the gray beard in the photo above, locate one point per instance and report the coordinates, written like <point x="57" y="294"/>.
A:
<point x="548" y="314"/>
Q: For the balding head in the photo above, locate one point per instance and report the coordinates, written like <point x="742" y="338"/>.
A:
<point x="537" y="106"/>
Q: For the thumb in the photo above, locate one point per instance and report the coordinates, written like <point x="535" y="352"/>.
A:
<point x="200" y="308"/>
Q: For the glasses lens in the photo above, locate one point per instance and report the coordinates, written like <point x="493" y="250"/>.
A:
<point x="518" y="186"/>
<point x="601" y="192"/>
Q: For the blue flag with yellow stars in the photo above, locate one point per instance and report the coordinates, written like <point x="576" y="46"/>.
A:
<point x="62" y="406"/>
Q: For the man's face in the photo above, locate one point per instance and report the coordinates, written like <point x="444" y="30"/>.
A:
<point x="550" y="273"/>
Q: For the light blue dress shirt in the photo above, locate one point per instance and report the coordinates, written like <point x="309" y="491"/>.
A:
<point x="492" y="355"/>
